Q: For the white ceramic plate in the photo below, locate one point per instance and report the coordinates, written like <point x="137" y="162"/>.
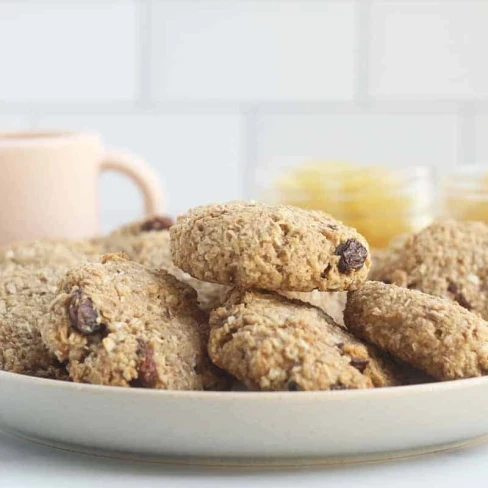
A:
<point x="245" y="427"/>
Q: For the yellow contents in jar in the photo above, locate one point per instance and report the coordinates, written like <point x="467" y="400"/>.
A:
<point x="372" y="199"/>
<point x="467" y="199"/>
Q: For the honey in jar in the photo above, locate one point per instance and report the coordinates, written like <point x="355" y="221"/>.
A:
<point x="381" y="202"/>
<point x="464" y="193"/>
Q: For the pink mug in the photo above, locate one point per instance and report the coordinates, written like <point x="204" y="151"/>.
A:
<point x="49" y="184"/>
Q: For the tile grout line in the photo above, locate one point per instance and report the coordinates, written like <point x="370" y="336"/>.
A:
<point x="362" y="54"/>
<point x="466" y="153"/>
<point x="143" y="53"/>
<point x="417" y="107"/>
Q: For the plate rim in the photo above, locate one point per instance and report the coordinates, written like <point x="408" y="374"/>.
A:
<point x="387" y="392"/>
<point x="281" y="462"/>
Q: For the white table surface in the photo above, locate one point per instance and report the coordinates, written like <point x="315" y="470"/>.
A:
<point x="26" y="465"/>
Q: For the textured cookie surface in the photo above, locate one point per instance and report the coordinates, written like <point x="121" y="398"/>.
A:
<point x="155" y="223"/>
<point x="278" y="247"/>
<point x="447" y="259"/>
<point x="152" y="249"/>
<point x="432" y="334"/>
<point x="49" y="252"/>
<point x="120" y="323"/>
<point x="25" y="295"/>
<point x="29" y="272"/>
<point x="271" y="343"/>
<point x="381" y="257"/>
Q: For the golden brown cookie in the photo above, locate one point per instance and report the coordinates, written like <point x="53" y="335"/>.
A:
<point x="447" y="259"/>
<point x="380" y="257"/>
<point x="29" y="272"/>
<point x="25" y="295"/>
<point x="154" y="223"/>
<point x="119" y="323"/>
<point x="272" y="343"/>
<point x="275" y="247"/>
<point x="152" y="249"/>
<point x="50" y="252"/>
<point x="432" y="334"/>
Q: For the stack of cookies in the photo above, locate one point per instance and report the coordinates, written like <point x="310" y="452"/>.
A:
<point x="429" y="303"/>
<point x="242" y="292"/>
<point x="266" y="340"/>
<point x="106" y="311"/>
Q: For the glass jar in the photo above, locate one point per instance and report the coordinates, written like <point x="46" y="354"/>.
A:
<point x="381" y="202"/>
<point x="464" y="193"/>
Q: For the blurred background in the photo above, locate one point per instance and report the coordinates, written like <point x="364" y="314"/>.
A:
<point x="219" y="94"/>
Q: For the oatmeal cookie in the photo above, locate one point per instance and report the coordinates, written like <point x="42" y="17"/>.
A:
<point x="380" y="257"/>
<point x="152" y="249"/>
<point x="272" y="343"/>
<point x="25" y="295"/>
<point x="119" y="323"/>
<point x="432" y="334"/>
<point x="29" y="272"/>
<point x="447" y="259"/>
<point x="155" y="223"/>
<point x="274" y="247"/>
<point x="49" y="252"/>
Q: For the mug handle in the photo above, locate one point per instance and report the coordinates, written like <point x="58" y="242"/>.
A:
<point x="141" y="174"/>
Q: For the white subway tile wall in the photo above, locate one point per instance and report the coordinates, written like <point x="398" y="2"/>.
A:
<point x="210" y="91"/>
<point x="67" y="50"/>
<point x="254" y="50"/>
<point x="14" y="122"/>
<point x="422" y="49"/>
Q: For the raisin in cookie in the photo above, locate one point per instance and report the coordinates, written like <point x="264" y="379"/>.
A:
<point x="29" y="272"/>
<point x="447" y="259"/>
<point x="25" y="295"/>
<point x="278" y="247"/>
<point x="430" y="333"/>
<point x="152" y="249"/>
<point x="119" y="323"/>
<point x="272" y="343"/>
<point x="154" y="223"/>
